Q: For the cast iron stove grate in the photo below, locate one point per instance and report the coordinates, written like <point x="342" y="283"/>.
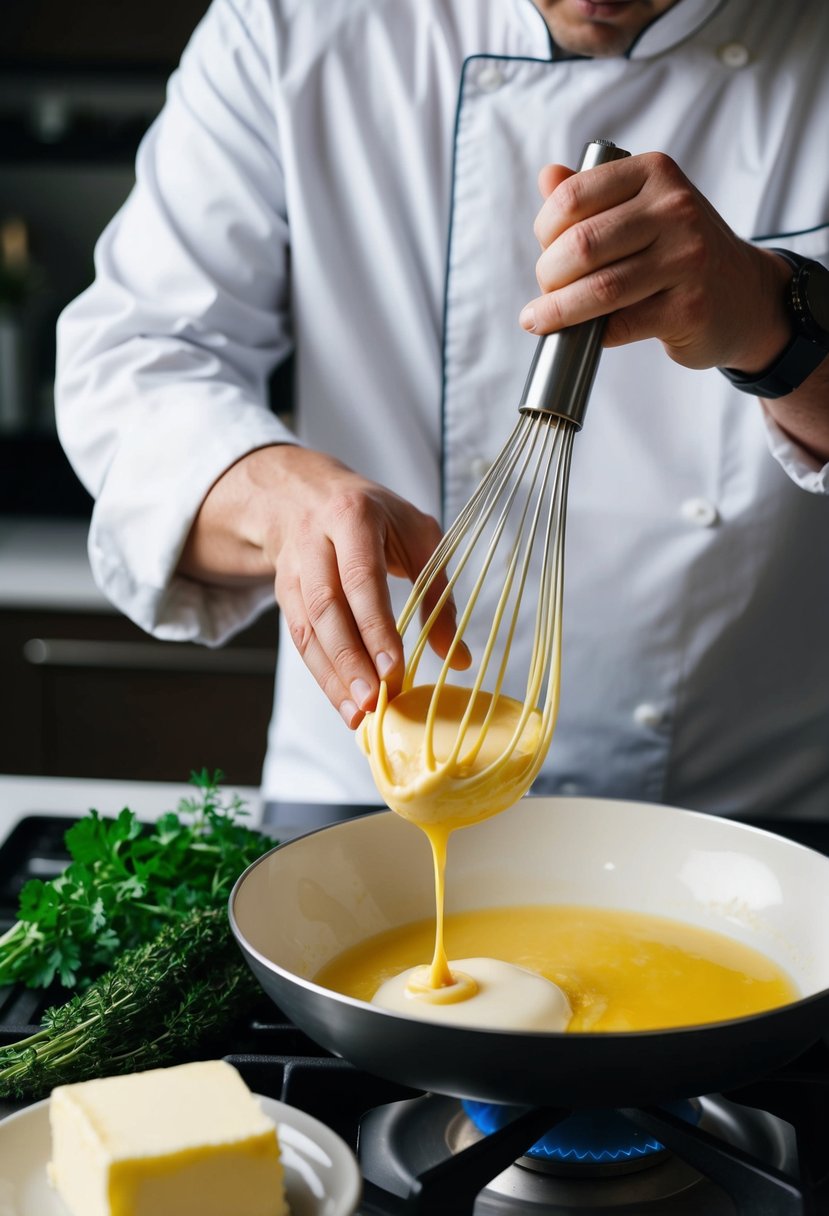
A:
<point x="433" y="1176"/>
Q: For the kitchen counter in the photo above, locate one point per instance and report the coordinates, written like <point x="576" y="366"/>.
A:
<point x="22" y="796"/>
<point x="43" y="564"/>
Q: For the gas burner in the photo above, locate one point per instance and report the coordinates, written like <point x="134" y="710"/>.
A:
<point x="594" y="1144"/>
<point x="417" y="1150"/>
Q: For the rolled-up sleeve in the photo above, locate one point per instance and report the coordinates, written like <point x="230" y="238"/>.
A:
<point x="804" y="470"/>
<point x="163" y="363"/>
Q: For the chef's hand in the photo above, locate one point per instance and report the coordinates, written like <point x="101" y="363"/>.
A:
<point x="636" y="240"/>
<point x="330" y="539"/>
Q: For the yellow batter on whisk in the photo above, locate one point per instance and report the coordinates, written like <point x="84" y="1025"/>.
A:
<point x="444" y="757"/>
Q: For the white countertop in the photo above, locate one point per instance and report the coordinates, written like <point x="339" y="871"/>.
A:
<point x="22" y="796"/>
<point x="43" y="564"/>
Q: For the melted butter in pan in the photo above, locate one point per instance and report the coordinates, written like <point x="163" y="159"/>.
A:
<point x="619" y="970"/>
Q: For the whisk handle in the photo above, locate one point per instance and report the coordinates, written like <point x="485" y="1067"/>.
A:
<point x="564" y="365"/>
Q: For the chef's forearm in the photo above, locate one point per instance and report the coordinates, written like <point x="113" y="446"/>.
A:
<point x="804" y="413"/>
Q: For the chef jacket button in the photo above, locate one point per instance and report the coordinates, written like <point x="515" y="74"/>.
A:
<point x="699" y="511"/>
<point x="478" y="468"/>
<point x="568" y="788"/>
<point x="648" y="715"/>
<point x="733" y="54"/>
<point x="490" y="78"/>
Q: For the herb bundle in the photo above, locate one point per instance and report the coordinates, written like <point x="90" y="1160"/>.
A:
<point x="161" y="1003"/>
<point x="125" y="882"/>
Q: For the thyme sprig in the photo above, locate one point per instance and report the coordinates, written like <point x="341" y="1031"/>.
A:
<point x="162" y="1002"/>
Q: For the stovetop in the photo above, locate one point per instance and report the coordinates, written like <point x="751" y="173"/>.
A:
<point x="761" y="1151"/>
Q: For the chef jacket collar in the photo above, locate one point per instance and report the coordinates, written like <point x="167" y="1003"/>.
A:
<point x="664" y="32"/>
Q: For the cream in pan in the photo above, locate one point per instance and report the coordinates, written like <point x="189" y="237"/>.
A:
<point x="486" y="992"/>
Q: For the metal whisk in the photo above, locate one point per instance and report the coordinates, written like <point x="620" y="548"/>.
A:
<point x="508" y="539"/>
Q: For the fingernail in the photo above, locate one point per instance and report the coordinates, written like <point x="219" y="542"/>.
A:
<point x="348" y="712"/>
<point x="464" y="654"/>
<point x="527" y="318"/>
<point x="384" y="664"/>
<point x="360" y="691"/>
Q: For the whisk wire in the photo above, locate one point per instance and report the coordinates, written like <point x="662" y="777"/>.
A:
<point x="481" y="505"/>
<point x="495" y="486"/>
<point x="525" y="489"/>
<point x="540" y="472"/>
<point x="548" y="634"/>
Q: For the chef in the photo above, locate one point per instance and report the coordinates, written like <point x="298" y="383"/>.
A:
<point x="356" y="183"/>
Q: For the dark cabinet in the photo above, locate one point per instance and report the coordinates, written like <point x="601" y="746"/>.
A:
<point x="89" y="694"/>
<point x="97" y="33"/>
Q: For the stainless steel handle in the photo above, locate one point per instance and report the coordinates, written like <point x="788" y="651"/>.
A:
<point x="147" y="656"/>
<point x="564" y="365"/>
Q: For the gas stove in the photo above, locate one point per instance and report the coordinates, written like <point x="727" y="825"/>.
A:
<point x="760" y="1151"/>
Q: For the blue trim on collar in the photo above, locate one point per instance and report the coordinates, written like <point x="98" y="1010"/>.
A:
<point x="773" y="236"/>
<point x="547" y="30"/>
<point x="708" y="10"/>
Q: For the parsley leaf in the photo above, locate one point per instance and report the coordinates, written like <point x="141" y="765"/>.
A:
<point x="126" y="881"/>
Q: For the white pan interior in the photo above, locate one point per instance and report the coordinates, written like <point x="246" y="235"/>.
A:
<point x="308" y="901"/>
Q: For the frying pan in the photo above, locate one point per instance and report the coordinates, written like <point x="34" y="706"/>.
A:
<point x="308" y="900"/>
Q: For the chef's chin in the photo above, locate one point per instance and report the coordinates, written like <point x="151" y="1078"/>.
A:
<point x="599" y="27"/>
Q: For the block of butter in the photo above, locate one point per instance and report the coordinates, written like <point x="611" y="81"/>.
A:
<point x="184" y="1141"/>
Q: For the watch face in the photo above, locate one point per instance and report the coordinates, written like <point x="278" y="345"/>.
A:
<point x="817" y="302"/>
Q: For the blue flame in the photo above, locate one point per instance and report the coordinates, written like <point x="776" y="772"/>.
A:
<point x="595" y="1137"/>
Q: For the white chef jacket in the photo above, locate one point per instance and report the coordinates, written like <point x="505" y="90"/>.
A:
<point x="355" y="181"/>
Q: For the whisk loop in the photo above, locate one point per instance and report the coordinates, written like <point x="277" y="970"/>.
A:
<point x="537" y="493"/>
<point x="455" y="750"/>
<point x="518" y="511"/>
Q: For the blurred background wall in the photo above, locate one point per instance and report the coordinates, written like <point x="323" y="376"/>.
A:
<point x="83" y="692"/>
<point x="80" y="82"/>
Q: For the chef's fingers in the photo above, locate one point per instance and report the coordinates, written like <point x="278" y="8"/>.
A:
<point x="668" y="239"/>
<point x="445" y="626"/>
<point x="651" y="177"/>
<point x="345" y="589"/>
<point x="413" y="544"/>
<point x="552" y="176"/>
<point x="597" y="244"/>
<point x="596" y="294"/>
<point x="298" y="620"/>
<point x="360" y="534"/>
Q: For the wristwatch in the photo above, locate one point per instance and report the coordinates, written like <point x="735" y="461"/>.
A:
<point x="807" y="302"/>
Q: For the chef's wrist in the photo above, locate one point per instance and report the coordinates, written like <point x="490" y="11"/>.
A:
<point x="768" y="327"/>
<point x="228" y="541"/>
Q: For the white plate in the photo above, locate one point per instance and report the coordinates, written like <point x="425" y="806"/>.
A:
<point x="321" y="1173"/>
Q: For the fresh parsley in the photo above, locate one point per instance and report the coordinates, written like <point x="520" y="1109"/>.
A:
<point x="125" y="881"/>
